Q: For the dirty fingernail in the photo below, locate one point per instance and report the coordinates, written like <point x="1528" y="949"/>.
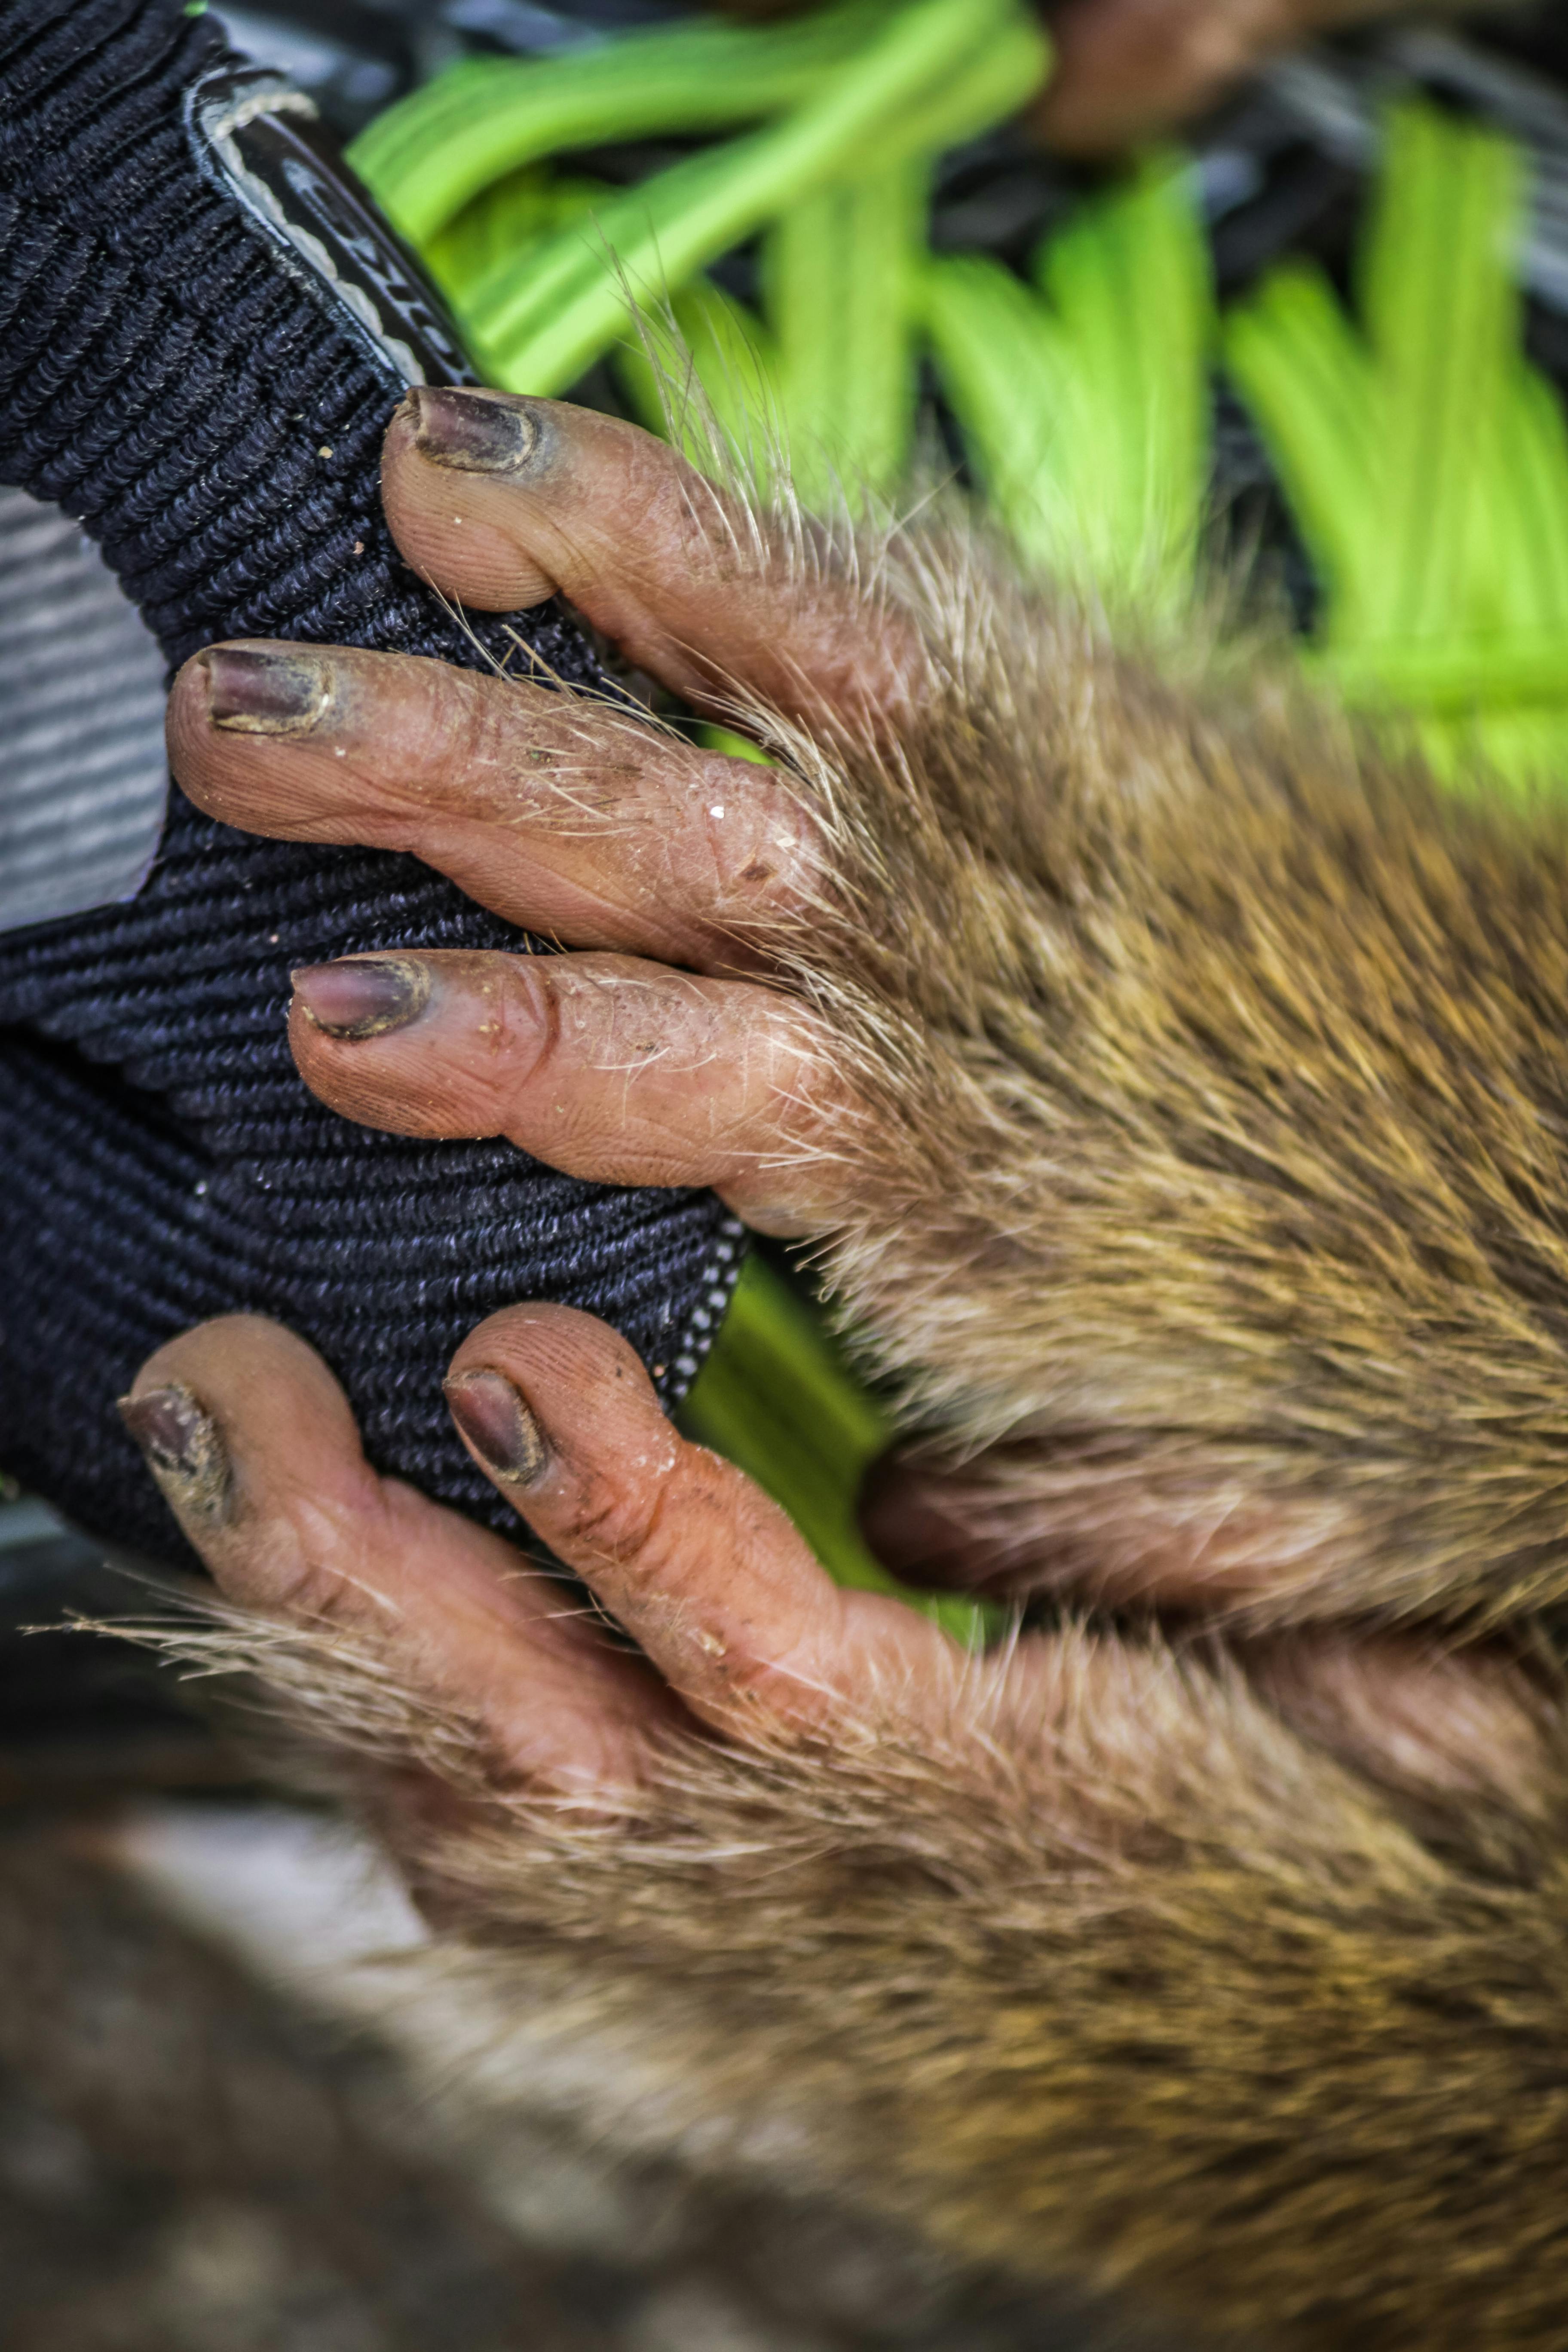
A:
<point x="499" y="1427"/>
<point x="185" y="1450"/>
<point x="252" y="690"/>
<point x="363" y="996"/>
<point x="474" y="432"/>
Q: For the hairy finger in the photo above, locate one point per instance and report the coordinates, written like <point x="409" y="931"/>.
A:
<point x="608" y="1068"/>
<point x="1451" y="1726"/>
<point x="566" y="815"/>
<point x="699" y="1566"/>
<point x="501" y="500"/>
<point x="1439" y="1726"/>
<point x="255" y="1448"/>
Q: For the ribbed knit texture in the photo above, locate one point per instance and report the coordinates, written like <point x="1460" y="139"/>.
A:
<point x="218" y="433"/>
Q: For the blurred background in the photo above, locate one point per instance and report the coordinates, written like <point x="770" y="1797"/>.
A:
<point x="221" y="2125"/>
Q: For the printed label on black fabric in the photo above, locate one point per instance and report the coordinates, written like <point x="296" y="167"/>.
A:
<point x="261" y="141"/>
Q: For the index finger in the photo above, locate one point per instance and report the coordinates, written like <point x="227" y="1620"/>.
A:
<point x="502" y="502"/>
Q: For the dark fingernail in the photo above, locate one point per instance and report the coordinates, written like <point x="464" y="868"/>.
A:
<point x="185" y="1450"/>
<point x="363" y="996"/>
<point x="499" y="1427"/>
<point x="475" y="431"/>
<point x="254" y="692"/>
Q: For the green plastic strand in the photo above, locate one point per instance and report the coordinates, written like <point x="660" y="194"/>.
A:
<point x="717" y="373"/>
<point x="1453" y="677"/>
<point x="425" y="158"/>
<point x="1441" y="310"/>
<point x="1308" y="378"/>
<point x="1426" y="460"/>
<point x="1129" y="287"/>
<point x="1086" y="413"/>
<point x="516" y="216"/>
<point x="536" y="327"/>
<point x="838" y="274"/>
<point x="1003" y="370"/>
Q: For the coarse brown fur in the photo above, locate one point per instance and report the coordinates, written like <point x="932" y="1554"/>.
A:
<point x="1133" y="1986"/>
<point x="1218" y="1075"/>
<point x="1213" y="1072"/>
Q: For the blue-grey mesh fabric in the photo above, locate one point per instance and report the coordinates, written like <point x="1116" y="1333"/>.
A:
<point x="218" y="434"/>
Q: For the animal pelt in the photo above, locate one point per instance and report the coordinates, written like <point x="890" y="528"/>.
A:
<point x="1213" y="1068"/>
<point x="1210" y="1075"/>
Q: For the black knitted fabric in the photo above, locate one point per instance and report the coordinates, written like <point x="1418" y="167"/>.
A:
<point x="218" y="433"/>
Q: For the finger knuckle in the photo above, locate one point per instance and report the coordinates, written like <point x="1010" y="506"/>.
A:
<point x="617" y="1519"/>
<point x="456" y="722"/>
<point x="511" y="1034"/>
<point x="766" y="849"/>
<point x="757" y="1685"/>
<point x="300" y="1565"/>
<point x="675" y="516"/>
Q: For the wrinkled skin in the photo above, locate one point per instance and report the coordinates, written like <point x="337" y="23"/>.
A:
<point x="659" y="1050"/>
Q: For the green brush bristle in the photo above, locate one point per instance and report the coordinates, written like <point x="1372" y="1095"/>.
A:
<point x="1426" y="460"/>
<point x="1085" y="407"/>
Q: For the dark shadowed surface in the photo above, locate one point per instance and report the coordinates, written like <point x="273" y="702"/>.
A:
<point x="192" y="2160"/>
<point x="188" y="2165"/>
